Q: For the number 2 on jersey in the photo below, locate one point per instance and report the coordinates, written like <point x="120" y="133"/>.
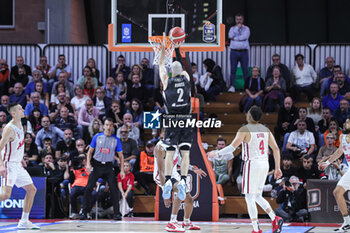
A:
<point x="261" y="146"/>
<point x="180" y="91"/>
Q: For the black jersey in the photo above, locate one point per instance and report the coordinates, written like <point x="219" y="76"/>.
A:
<point x="177" y="95"/>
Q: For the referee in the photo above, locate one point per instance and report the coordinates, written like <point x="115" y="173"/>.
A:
<point x="106" y="145"/>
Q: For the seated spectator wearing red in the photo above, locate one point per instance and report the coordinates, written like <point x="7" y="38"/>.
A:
<point x="285" y="73"/>
<point x="43" y="67"/>
<point x="254" y="89"/>
<point x="286" y="115"/>
<point x="145" y="175"/>
<point x="4" y="76"/>
<point x="79" y="177"/>
<point x="315" y="111"/>
<point x="120" y="67"/>
<point x="95" y="72"/>
<point x="136" y="110"/>
<point x="275" y="90"/>
<point x="309" y="170"/>
<point x="326" y="151"/>
<point x="342" y="112"/>
<point x="18" y="95"/>
<point x="335" y="130"/>
<point x="126" y="186"/>
<point x="89" y="88"/>
<point x="323" y="124"/>
<point x="136" y="90"/>
<point x="325" y="74"/>
<point x="303" y="76"/>
<point x="332" y="100"/>
<point x="101" y="102"/>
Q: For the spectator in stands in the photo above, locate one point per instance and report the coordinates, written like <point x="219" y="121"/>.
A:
<point x="120" y="67"/>
<point x="158" y="99"/>
<point x="30" y="148"/>
<point x="4" y="105"/>
<point x="323" y="124"/>
<point x="87" y="72"/>
<point x="80" y="148"/>
<point x="66" y="145"/>
<point x="21" y="78"/>
<point x="309" y="170"/>
<point x="48" y="131"/>
<point x="112" y="91"/>
<point x="126" y="186"/>
<point x="335" y="130"/>
<point x="62" y="102"/>
<point x="87" y="114"/>
<point x="148" y="75"/>
<point x="303" y="77"/>
<point x="145" y="174"/>
<point x="95" y="73"/>
<point x="301" y="142"/>
<point x="43" y="67"/>
<point x="136" y="69"/>
<point x="48" y="165"/>
<point x="3" y="117"/>
<point x="286" y="115"/>
<point x="60" y="67"/>
<point x="136" y="90"/>
<point x="122" y="87"/>
<point x="302" y="115"/>
<point x="217" y="85"/>
<point x="47" y="149"/>
<point x="94" y="128"/>
<point x="222" y="164"/>
<point x="89" y="88"/>
<point x="332" y="100"/>
<point x="254" y="88"/>
<point x="78" y="101"/>
<point x="336" y="71"/>
<point x="195" y="73"/>
<point x="60" y="88"/>
<point x="31" y="85"/>
<point x="136" y="110"/>
<point x="34" y="122"/>
<point x="293" y="201"/>
<point x="15" y="70"/>
<point x="344" y="87"/>
<point x="62" y="78"/>
<point x="275" y="90"/>
<point x="35" y="97"/>
<point x="285" y="73"/>
<point x="337" y="169"/>
<point x="64" y="121"/>
<point x="315" y="111"/>
<point x="101" y="102"/>
<point x="239" y="45"/>
<point x="44" y="96"/>
<point x="18" y="96"/>
<point x="342" y="112"/>
<point x="325" y="74"/>
<point x="4" y="76"/>
<point x="287" y="167"/>
<point x="79" y="177"/>
<point x="327" y="150"/>
<point x="115" y="113"/>
<point x="134" y="131"/>
<point x="129" y="146"/>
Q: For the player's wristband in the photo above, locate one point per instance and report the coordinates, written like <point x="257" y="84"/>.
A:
<point x="327" y="162"/>
<point x="227" y="150"/>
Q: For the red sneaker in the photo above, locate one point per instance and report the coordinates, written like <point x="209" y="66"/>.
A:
<point x="260" y="231"/>
<point x="174" y="227"/>
<point x="277" y="224"/>
<point x="190" y="226"/>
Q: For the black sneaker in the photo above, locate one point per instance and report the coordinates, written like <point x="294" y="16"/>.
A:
<point x="117" y="217"/>
<point x="83" y="217"/>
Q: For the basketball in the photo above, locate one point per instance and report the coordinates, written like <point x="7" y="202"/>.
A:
<point x="177" y="35"/>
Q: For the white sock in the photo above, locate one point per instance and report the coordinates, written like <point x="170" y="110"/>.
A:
<point x="346" y="219"/>
<point x="173" y="218"/>
<point x="25" y="216"/>
<point x="186" y="220"/>
<point x="255" y="225"/>
<point x="272" y="215"/>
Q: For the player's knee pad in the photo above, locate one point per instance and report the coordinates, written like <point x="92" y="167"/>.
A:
<point x="170" y="148"/>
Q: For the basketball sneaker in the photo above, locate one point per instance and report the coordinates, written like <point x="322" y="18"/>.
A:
<point x="181" y="189"/>
<point x="277" y="225"/>
<point x="174" y="227"/>
<point x="27" y="225"/>
<point x="190" y="226"/>
<point x="344" y="228"/>
<point x="168" y="186"/>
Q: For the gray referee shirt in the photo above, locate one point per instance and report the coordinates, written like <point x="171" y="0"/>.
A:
<point x="105" y="147"/>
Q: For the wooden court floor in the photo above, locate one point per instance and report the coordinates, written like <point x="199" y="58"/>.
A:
<point x="146" y="225"/>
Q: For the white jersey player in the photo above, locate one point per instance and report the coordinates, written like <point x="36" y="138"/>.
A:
<point x="11" y="164"/>
<point x="344" y="183"/>
<point x="255" y="139"/>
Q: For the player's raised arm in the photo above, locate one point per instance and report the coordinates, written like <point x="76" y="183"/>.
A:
<point x="162" y="70"/>
<point x="334" y="156"/>
<point x="276" y="155"/>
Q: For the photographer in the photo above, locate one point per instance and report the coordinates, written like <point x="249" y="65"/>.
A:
<point x="293" y="200"/>
<point x="78" y="177"/>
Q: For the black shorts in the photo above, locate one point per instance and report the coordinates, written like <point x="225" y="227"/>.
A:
<point x="176" y="136"/>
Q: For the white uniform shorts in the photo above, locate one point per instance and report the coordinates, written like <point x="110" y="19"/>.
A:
<point x="16" y="175"/>
<point x="345" y="181"/>
<point x="254" y="176"/>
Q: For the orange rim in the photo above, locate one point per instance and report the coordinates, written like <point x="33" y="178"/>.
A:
<point x="159" y="40"/>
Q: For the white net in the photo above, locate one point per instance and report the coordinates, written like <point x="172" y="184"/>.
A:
<point x="156" y="42"/>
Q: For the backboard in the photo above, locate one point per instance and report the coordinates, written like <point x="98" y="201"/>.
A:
<point x="133" y="21"/>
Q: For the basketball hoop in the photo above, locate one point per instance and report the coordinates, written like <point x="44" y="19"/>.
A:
<point x="156" y="42"/>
